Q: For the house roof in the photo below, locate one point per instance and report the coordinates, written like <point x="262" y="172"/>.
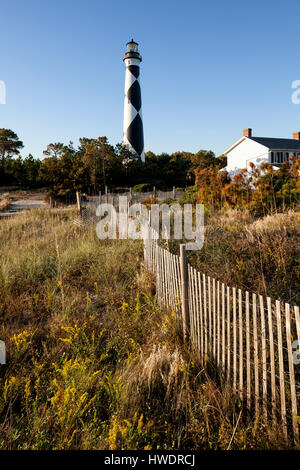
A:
<point x="276" y="144"/>
<point x="271" y="143"/>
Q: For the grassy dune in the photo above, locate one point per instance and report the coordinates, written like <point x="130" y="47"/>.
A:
<point x="259" y="255"/>
<point x="92" y="361"/>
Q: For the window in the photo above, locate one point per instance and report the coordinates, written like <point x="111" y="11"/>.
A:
<point x="272" y="157"/>
<point x="279" y="157"/>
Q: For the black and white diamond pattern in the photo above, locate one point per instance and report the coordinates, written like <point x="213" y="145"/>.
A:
<point x="133" y="122"/>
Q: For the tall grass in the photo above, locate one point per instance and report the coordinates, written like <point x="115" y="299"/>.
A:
<point x="92" y="362"/>
<point x="259" y="255"/>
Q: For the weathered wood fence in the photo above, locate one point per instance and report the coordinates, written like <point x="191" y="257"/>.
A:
<point x="248" y="338"/>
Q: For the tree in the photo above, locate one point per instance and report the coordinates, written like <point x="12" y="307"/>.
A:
<point x="54" y="150"/>
<point x="129" y="164"/>
<point x="221" y="161"/>
<point x="9" y="146"/>
<point x="203" y="159"/>
<point x="98" y="156"/>
<point x="59" y="168"/>
<point x="30" y="171"/>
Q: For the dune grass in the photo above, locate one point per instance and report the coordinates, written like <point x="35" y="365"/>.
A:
<point x="260" y="255"/>
<point x="4" y="202"/>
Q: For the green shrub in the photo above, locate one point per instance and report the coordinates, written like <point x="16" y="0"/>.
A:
<point x="141" y="188"/>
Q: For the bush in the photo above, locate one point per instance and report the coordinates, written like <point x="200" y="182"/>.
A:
<point x="141" y="188"/>
<point x="188" y="197"/>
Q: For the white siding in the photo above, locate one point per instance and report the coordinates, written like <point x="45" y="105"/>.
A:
<point x="244" y="153"/>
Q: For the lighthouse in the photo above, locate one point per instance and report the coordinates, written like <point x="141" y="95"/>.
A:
<point x="133" y="134"/>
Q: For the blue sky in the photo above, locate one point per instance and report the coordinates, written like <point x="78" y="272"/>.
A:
<point x="209" y="69"/>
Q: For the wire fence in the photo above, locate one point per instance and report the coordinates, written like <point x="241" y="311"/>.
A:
<point x="251" y="340"/>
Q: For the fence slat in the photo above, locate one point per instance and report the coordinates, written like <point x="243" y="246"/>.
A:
<point x="190" y="310"/>
<point x="174" y="285"/>
<point x="177" y="278"/>
<point x="218" y="324"/>
<point x="214" y="320"/>
<point x="165" y="268"/>
<point x="281" y="368"/>
<point x="166" y="276"/>
<point x="169" y="273"/>
<point x="205" y="317"/>
<point x="223" y="328"/>
<point x="272" y="357"/>
<point x="248" y="372"/>
<point x="241" y="352"/>
<point x="297" y="318"/>
<point x="158" y="280"/>
<point x="193" y="305"/>
<point x="175" y="293"/>
<point x="162" y="268"/>
<point x="292" y="374"/>
<point x="209" y="316"/>
<point x="184" y="291"/>
<point x="234" y="337"/>
<point x="197" y="297"/>
<point x="201" y="318"/>
<point x="255" y="347"/>
<point x="264" y="355"/>
<point x="179" y="288"/>
<point x="228" y="334"/>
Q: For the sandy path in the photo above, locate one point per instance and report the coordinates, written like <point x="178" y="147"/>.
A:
<point x="22" y="204"/>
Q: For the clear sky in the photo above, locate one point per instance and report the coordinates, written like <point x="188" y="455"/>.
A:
<point x="210" y="69"/>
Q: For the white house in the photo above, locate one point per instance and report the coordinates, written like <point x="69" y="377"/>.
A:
<point x="259" y="150"/>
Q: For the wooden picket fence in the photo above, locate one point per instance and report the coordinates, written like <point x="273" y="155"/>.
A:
<point x="246" y="337"/>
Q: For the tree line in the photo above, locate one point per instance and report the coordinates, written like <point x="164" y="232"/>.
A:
<point x="95" y="163"/>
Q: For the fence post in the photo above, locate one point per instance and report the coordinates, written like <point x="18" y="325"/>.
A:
<point x="174" y="193"/>
<point x="78" y="198"/>
<point x="184" y="291"/>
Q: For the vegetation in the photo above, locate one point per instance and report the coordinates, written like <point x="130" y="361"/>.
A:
<point x="9" y="146"/>
<point x="4" y="202"/>
<point x="92" y="361"/>
<point x="259" y="255"/>
<point x="95" y="164"/>
<point x="261" y="190"/>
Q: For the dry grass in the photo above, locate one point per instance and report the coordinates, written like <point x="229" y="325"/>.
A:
<point x="289" y="221"/>
<point x="92" y="361"/>
<point x="261" y="255"/>
<point x="4" y="202"/>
